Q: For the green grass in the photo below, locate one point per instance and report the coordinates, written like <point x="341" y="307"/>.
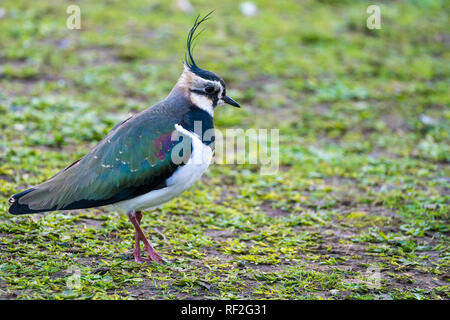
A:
<point x="364" y="150"/>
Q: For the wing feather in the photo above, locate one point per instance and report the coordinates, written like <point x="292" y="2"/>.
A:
<point x="134" y="158"/>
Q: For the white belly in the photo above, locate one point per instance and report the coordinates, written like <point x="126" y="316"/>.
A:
<point x="182" y="179"/>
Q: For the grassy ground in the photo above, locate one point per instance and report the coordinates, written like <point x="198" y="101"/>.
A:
<point x="358" y="210"/>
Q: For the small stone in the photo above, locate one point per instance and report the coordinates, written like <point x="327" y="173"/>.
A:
<point x="427" y="120"/>
<point x="249" y="9"/>
<point x="19" y="127"/>
<point x="185" y="6"/>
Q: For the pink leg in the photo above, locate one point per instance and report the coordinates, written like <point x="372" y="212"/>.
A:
<point x="135" y="218"/>
<point x="137" y="246"/>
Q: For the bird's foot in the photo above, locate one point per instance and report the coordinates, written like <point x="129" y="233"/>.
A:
<point x="142" y="260"/>
<point x="153" y="256"/>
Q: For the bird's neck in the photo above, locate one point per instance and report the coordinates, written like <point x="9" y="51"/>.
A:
<point x="199" y="122"/>
<point x="193" y="118"/>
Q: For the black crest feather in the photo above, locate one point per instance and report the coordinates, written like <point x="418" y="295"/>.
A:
<point x="189" y="59"/>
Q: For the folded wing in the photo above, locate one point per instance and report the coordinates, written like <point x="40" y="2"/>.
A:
<point x="133" y="159"/>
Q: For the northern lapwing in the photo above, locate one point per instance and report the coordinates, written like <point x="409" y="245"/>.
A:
<point x="143" y="162"/>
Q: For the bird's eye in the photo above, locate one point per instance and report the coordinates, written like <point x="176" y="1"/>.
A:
<point x="210" y="89"/>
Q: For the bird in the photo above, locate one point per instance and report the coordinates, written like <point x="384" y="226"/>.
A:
<point x="145" y="160"/>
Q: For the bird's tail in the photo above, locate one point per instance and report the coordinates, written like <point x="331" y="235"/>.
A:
<point x="16" y="207"/>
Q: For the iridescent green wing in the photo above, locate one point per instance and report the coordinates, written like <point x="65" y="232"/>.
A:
<point x="133" y="159"/>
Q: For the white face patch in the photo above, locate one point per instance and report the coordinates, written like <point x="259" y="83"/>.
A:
<point x="203" y="102"/>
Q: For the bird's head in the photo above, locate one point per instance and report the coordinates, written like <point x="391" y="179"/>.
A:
<point x="204" y="88"/>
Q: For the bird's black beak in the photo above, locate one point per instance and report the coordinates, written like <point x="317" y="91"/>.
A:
<point x="230" y="101"/>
